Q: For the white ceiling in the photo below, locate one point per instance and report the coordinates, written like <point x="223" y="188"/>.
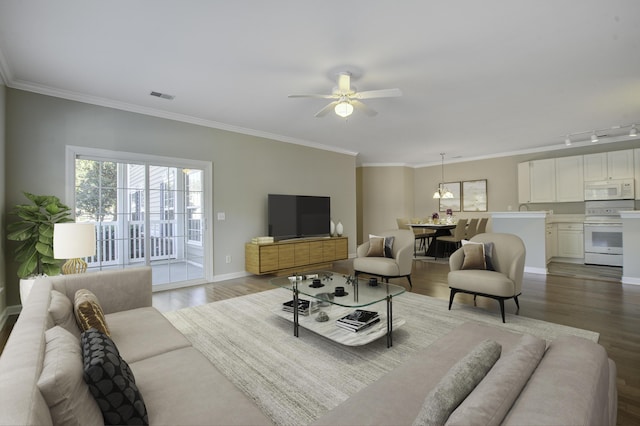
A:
<point x="478" y="78"/>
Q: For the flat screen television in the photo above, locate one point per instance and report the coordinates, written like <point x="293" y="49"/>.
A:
<point x="298" y="216"/>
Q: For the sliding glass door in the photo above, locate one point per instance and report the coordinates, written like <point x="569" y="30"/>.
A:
<point x="145" y="214"/>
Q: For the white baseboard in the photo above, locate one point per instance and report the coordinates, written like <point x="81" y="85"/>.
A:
<point x="231" y="276"/>
<point x="540" y="271"/>
<point x="631" y="280"/>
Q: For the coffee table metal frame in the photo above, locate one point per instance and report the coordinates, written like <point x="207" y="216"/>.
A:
<point x="359" y="293"/>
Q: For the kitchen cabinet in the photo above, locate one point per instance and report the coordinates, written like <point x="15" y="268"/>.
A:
<point x="636" y="156"/>
<point x="609" y="165"/>
<point x="570" y="237"/>
<point x="551" y="241"/>
<point x="524" y="183"/>
<point x="542" y="175"/>
<point x="569" y="178"/>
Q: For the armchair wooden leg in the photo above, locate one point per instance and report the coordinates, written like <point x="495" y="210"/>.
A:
<point x="517" y="304"/>
<point x="409" y="279"/>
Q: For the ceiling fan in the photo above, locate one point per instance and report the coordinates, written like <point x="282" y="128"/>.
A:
<point x="346" y="98"/>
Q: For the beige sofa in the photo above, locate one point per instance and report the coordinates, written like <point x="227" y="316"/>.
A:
<point x="178" y="384"/>
<point x="574" y="383"/>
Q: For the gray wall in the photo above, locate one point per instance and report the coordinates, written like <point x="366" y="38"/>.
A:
<point x="245" y="168"/>
<point x="3" y="177"/>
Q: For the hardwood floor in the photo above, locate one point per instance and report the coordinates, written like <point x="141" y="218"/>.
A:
<point x="607" y="307"/>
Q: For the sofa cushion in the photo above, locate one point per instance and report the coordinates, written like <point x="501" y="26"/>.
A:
<point x="61" y="311"/>
<point x="206" y="395"/>
<point x="61" y="382"/>
<point x="570" y="386"/>
<point x="111" y="381"/>
<point x="88" y="312"/>
<point x="144" y="332"/>
<point x="490" y="401"/>
<point x="459" y="381"/>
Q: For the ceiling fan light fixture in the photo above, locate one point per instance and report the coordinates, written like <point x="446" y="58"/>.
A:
<point x="344" y="109"/>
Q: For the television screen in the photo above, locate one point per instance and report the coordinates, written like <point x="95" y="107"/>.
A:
<point x="295" y="216"/>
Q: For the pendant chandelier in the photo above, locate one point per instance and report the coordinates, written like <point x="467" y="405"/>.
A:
<point x="442" y="191"/>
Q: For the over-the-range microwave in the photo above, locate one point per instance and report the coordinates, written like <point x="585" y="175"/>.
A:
<point x="613" y="189"/>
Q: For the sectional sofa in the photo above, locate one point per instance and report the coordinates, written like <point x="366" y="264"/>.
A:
<point x="571" y="382"/>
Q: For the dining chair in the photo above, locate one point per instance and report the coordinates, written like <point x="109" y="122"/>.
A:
<point x="472" y="228"/>
<point x="482" y="225"/>
<point x="420" y="236"/>
<point x="455" y="239"/>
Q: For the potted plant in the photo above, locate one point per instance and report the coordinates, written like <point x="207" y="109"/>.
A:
<point x="34" y="232"/>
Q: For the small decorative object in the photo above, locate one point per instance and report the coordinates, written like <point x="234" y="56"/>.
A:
<point x="373" y="282"/>
<point x="322" y="317"/>
<point x="449" y="212"/>
<point x="435" y="216"/>
<point x="317" y="283"/>
<point x="332" y="228"/>
<point x="339" y="292"/>
<point x="339" y="229"/>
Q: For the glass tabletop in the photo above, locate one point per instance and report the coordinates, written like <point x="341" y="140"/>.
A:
<point x="321" y="285"/>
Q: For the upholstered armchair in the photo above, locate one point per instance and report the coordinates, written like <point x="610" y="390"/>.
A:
<point x="471" y="267"/>
<point x="397" y="262"/>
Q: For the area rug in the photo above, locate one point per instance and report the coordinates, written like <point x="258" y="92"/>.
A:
<point x="296" y="380"/>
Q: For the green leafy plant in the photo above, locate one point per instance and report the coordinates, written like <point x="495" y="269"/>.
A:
<point x="35" y="233"/>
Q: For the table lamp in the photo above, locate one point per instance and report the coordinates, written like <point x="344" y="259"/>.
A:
<point x="74" y="241"/>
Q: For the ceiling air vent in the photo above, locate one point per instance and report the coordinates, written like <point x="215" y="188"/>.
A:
<point x="162" y="95"/>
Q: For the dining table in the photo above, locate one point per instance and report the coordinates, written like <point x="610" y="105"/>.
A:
<point x="441" y="229"/>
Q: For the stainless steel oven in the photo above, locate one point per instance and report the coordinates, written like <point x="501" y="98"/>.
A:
<point x="603" y="231"/>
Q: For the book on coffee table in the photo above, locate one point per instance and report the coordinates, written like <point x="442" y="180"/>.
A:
<point x="358" y="319"/>
<point x="305" y="307"/>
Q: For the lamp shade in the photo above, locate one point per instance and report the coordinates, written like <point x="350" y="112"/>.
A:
<point x="74" y="240"/>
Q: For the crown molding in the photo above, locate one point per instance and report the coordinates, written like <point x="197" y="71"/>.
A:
<point x="123" y="106"/>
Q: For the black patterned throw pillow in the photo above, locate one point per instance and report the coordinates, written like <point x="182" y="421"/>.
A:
<point x="111" y="381"/>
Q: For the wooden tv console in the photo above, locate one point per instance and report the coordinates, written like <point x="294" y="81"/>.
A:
<point x="294" y="255"/>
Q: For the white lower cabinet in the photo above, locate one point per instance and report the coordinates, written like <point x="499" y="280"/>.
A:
<point x="551" y="241"/>
<point x="570" y="240"/>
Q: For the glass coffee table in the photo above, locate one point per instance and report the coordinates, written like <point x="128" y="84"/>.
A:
<point x="322" y="289"/>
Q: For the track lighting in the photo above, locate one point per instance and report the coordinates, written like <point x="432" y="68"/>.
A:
<point x="610" y="134"/>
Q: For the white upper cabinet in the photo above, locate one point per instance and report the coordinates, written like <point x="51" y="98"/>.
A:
<point x="542" y="174"/>
<point x="569" y="179"/>
<point x="609" y="165"/>
<point x="524" y="183"/>
<point x="636" y="156"/>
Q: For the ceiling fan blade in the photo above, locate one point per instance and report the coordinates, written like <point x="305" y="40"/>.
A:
<point x="360" y="106"/>
<point x="324" y="111"/>
<point x="314" y="96"/>
<point x="382" y="93"/>
<point x="344" y="82"/>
